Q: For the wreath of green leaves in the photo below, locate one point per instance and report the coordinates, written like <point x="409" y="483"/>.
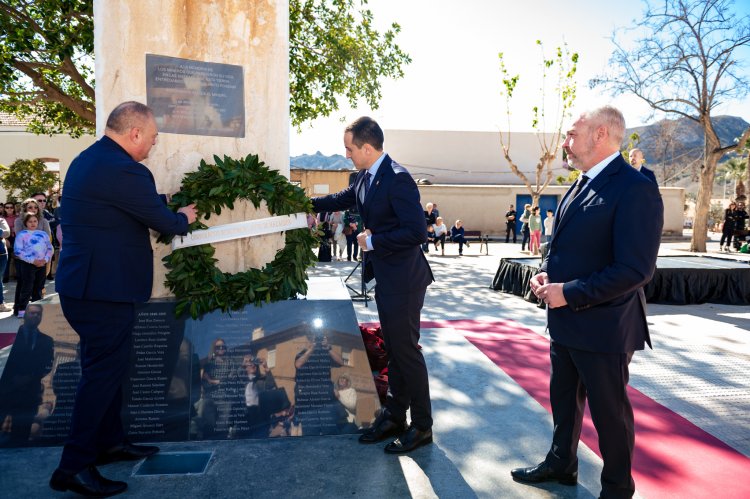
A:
<point x="200" y="287"/>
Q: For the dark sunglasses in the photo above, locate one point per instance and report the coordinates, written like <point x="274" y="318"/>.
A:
<point x="222" y="347"/>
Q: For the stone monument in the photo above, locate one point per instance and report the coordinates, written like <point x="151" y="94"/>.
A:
<point x="248" y="37"/>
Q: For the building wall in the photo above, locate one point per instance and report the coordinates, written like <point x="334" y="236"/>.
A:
<point x="321" y="182"/>
<point x="18" y="144"/>
<point x="483" y="207"/>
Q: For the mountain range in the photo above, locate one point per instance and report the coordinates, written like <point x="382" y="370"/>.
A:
<point x="678" y="141"/>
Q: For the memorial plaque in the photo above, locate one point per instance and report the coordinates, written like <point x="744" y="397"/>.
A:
<point x="195" y="97"/>
<point x="290" y="368"/>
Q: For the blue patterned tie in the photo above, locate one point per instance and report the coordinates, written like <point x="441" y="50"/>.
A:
<point x="368" y="176"/>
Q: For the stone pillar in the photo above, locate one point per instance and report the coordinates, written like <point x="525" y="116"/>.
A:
<point x="253" y="34"/>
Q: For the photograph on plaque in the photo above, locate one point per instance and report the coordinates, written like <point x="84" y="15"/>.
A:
<point x="290" y="368"/>
<point x="195" y="97"/>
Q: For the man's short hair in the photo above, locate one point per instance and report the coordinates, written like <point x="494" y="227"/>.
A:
<point x="38" y="194"/>
<point x="610" y="117"/>
<point x="366" y="130"/>
<point x="128" y="115"/>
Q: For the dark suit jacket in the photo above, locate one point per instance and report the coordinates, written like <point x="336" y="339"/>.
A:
<point x="20" y="385"/>
<point x="604" y="251"/>
<point x="393" y="213"/>
<point x="649" y="174"/>
<point x="109" y="203"/>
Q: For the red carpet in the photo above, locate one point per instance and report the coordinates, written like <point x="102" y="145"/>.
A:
<point x="673" y="457"/>
<point x="6" y="339"/>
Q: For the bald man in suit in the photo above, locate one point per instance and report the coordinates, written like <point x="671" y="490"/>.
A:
<point x="636" y="161"/>
<point x="603" y="251"/>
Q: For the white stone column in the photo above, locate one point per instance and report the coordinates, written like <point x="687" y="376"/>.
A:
<point x="253" y="34"/>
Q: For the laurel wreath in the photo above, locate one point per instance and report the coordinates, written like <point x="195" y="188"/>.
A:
<point x="199" y="286"/>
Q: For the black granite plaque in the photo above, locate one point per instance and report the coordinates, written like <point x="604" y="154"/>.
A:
<point x="195" y="97"/>
<point x="289" y="368"/>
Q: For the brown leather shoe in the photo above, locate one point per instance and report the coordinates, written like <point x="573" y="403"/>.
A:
<point x="87" y="483"/>
<point x="412" y="439"/>
<point x="543" y="473"/>
<point x="383" y="427"/>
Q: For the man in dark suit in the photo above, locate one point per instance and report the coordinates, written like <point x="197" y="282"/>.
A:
<point x="603" y="251"/>
<point x="388" y="200"/>
<point x="29" y="361"/>
<point x="106" y="267"/>
<point x="636" y="161"/>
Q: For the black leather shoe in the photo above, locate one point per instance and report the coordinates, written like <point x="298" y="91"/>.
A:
<point x="126" y="452"/>
<point x="410" y="440"/>
<point x="543" y="473"/>
<point x="383" y="427"/>
<point x="87" y="483"/>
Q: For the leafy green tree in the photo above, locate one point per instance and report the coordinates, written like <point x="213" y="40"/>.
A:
<point x="687" y="62"/>
<point x="46" y="64"/>
<point x="334" y="50"/>
<point x="564" y="65"/>
<point x="25" y="177"/>
<point x="47" y="60"/>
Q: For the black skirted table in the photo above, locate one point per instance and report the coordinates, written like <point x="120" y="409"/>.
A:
<point x="678" y="280"/>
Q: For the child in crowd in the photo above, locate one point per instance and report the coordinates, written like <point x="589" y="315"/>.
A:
<point x="535" y="230"/>
<point x="32" y="249"/>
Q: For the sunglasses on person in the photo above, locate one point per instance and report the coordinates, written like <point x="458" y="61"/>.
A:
<point x="221" y="347"/>
<point x="9" y="207"/>
<point x="40" y="200"/>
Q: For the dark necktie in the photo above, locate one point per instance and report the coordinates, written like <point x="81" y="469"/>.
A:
<point x="368" y="176"/>
<point x="580" y="184"/>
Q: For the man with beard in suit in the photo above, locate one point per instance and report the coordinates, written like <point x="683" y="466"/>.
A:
<point x="603" y="251"/>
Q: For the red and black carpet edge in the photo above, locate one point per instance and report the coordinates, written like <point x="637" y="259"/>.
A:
<point x="673" y="457"/>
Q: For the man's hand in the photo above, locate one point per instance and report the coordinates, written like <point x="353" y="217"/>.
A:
<point x="537" y="281"/>
<point x="362" y="239"/>
<point x="40" y="262"/>
<point x="549" y="293"/>
<point x="189" y="212"/>
<point x="552" y="295"/>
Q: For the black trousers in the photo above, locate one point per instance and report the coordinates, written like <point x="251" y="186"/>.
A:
<point x="602" y="378"/>
<point x="30" y="284"/>
<point x="105" y="329"/>
<point x="508" y="229"/>
<point x="408" y="386"/>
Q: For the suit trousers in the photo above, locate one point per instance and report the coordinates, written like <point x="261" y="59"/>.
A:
<point x="105" y="329"/>
<point x="408" y="386"/>
<point x="602" y="378"/>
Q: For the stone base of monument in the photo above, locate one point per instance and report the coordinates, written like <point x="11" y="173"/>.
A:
<point x="290" y="368"/>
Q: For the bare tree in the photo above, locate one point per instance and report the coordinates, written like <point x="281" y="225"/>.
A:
<point x="687" y="62"/>
<point x="565" y="64"/>
<point x="664" y="143"/>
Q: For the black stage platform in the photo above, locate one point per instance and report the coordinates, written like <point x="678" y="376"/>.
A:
<point x="679" y="280"/>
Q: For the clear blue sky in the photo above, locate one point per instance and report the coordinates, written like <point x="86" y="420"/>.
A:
<point x="453" y="82"/>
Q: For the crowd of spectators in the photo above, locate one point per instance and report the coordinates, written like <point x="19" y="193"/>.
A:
<point x="30" y="238"/>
